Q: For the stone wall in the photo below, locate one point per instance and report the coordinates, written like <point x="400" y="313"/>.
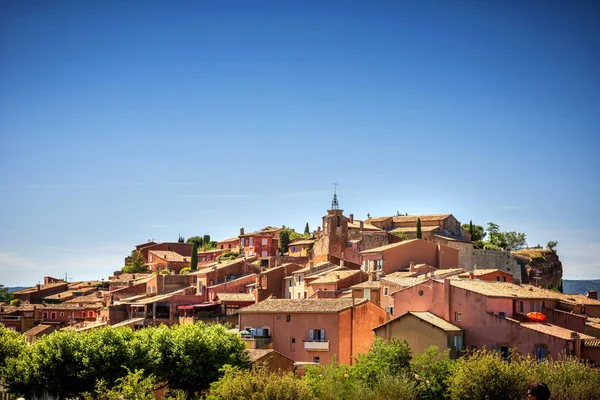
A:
<point x="469" y="257"/>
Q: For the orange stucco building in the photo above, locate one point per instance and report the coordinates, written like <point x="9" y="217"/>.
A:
<point x="313" y="330"/>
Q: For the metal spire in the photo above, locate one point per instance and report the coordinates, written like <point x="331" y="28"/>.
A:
<point x="334" y="204"/>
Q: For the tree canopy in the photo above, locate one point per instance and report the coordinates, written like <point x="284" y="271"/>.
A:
<point x="194" y="259"/>
<point x="284" y="241"/>
<point x="419" y="233"/>
<point x="306" y="229"/>
<point x="551" y="245"/>
<point x="135" y="263"/>
<point x="477" y="232"/>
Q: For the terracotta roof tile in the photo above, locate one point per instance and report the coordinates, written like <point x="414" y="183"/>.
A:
<point x="302" y="242"/>
<point x="578" y="299"/>
<point x="236" y="297"/>
<point x="33" y="289"/>
<point x="553" y="330"/>
<point x="302" y="305"/>
<point x="333" y="277"/>
<point x="423" y="218"/>
<point x="233" y="239"/>
<point x="414" y="229"/>
<point x="40" y="329"/>
<point x="373" y="285"/>
<point x="429" y="318"/>
<point x="503" y="289"/>
<point x="169" y="256"/>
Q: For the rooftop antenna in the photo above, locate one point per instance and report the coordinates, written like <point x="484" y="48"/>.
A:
<point x="334" y="204"/>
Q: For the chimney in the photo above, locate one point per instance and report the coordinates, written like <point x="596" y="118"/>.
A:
<point x="351" y="218"/>
<point x="577" y="343"/>
<point x="203" y="248"/>
<point x="241" y="231"/>
<point x="471" y="275"/>
<point x="447" y="299"/>
<point x="361" y="224"/>
<point x="412" y="266"/>
<point x="341" y="263"/>
<point x="592" y="294"/>
<point x="37" y="286"/>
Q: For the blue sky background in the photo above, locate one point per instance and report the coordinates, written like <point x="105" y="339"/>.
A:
<point x="124" y="121"/>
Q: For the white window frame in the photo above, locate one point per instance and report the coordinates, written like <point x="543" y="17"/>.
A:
<point x="264" y="241"/>
<point x="458" y="316"/>
<point x="378" y="265"/>
<point x="386" y="291"/>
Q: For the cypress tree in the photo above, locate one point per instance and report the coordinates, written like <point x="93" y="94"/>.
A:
<point x="169" y="247"/>
<point x="471" y="228"/>
<point x="194" y="260"/>
<point x="306" y="229"/>
<point x="560" y="286"/>
<point x="419" y="234"/>
<point x="206" y="239"/>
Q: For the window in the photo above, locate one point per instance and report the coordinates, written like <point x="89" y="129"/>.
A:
<point x="538" y="306"/>
<point x="62" y="314"/>
<point x="497" y="279"/>
<point x="378" y="265"/>
<point x="520" y="306"/>
<point x="385" y="291"/>
<point x="540" y="352"/>
<point x="365" y="265"/>
<point x="458" y="343"/>
<point x="250" y="240"/>
<point x="53" y="315"/>
<point x="316" y="360"/>
<point x="293" y="249"/>
<point x="299" y="278"/>
<point x="532" y="306"/>
<point x="390" y="309"/>
<point x="420" y="293"/>
<point x="305" y="294"/>
<point x="293" y="340"/>
<point x="264" y="241"/>
<point x="505" y="352"/>
<point x="44" y="315"/>
<point x="151" y="257"/>
<point x="502" y="314"/>
<point x="503" y="279"/>
<point x="288" y="318"/>
<point x="367" y="294"/>
<point x="457" y="316"/>
<point x="316" y="335"/>
<point x="299" y="295"/>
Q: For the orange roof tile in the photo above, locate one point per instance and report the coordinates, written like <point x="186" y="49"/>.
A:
<point x="302" y="305"/>
<point x="553" y="330"/>
<point x="169" y="255"/>
<point x="335" y="276"/>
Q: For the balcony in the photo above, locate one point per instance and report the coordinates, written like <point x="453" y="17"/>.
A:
<point x="316" y="346"/>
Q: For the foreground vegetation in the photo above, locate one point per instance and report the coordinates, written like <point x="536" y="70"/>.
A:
<point x="196" y="360"/>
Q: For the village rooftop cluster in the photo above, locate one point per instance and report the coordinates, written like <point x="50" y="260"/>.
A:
<point x="331" y="294"/>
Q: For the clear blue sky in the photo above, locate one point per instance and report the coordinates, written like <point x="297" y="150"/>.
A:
<point x="124" y="121"/>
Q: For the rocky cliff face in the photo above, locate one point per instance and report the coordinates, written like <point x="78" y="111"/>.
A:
<point x="539" y="267"/>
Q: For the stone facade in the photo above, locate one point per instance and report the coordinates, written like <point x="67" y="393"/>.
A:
<point x="469" y="257"/>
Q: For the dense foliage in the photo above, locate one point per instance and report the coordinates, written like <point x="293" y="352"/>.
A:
<point x="4" y="295"/>
<point x="135" y="263"/>
<point x="68" y="363"/>
<point x="194" y="259"/>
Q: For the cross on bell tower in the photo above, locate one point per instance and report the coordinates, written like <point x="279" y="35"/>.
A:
<point x="334" y="204"/>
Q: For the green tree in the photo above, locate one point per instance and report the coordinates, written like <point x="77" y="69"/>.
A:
<point x="181" y="239"/>
<point x="401" y="235"/>
<point x="194" y="259"/>
<point x="206" y="239"/>
<point x="551" y="245"/>
<point x="514" y="240"/>
<point x="477" y="234"/>
<point x="5" y="296"/>
<point x="15" y="302"/>
<point x="12" y="344"/>
<point x="432" y="369"/>
<point x="195" y="239"/>
<point x="258" y="384"/>
<point x="419" y="233"/>
<point x="383" y="358"/>
<point x="135" y="263"/>
<point x="284" y="241"/>
<point x="306" y="230"/>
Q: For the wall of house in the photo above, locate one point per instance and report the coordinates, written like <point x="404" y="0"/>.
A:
<point x="374" y="296"/>
<point x="35" y="296"/>
<point x="233" y="286"/>
<point x="591" y="354"/>
<point x="567" y="320"/>
<point x="233" y="245"/>
<point x="282" y="332"/>
<point x="258" y="247"/>
<point x="497" y="276"/>
<point x="418" y="333"/>
<point x="365" y="317"/>
<point x="592" y="330"/>
<point x="185" y="249"/>
<point x="68" y="314"/>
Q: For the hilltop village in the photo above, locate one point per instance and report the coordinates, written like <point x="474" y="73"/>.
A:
<point x="418" y="278"/>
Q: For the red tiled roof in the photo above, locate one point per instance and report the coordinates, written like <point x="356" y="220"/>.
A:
<point x="302" y="305"/>
<point x="553" y="330"/>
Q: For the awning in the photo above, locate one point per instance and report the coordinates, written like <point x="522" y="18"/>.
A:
<point x="190" y="307"/>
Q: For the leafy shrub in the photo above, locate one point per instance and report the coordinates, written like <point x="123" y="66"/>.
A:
<point x="485" y="375"/>
<point x="393" y="387"/>
<point x="228" y="255"/>
<point x="432" y="369"/>
<point x="258" y="384"/>
<point x="15" y="302"/>
<point x="537" y="258"/>
<point x="166" y="272"/>
<point x="490" y="246"/>
<point x="391" y="358"/>
<point x="185" y="270"/>
<point x="333" y="381"/>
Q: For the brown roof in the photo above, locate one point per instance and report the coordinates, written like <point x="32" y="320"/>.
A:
<point x="302" y="305"/>
<point x="40" y="329"/>
<point x="60" y="296"/>
<point x="503" y="289"/>
<point x="578" y="299"/>
<point x="33" y="289"/>
<point x="233" y="239"/>
<point x="236" y="297"/>
<point x="169" y="255"/>
<point x="402" y="281"/>
<point x="405" y="229"/>
<point x="553" y="330"/>
<point x="90" y="298"/>
<point x="378" y="219"/>
<point x="373" y="285"/>
<point x="429" y="318"/>
<point x="302" y="242"/>
<point x="387" y="246"/>
<point x="366" y="226"/>
<point x="423" y="218"/>
<point x="333" y="277"/>
<point x="70" y="306"/>
<point x="256" y="354"/>
<point x="480" y="272"/>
